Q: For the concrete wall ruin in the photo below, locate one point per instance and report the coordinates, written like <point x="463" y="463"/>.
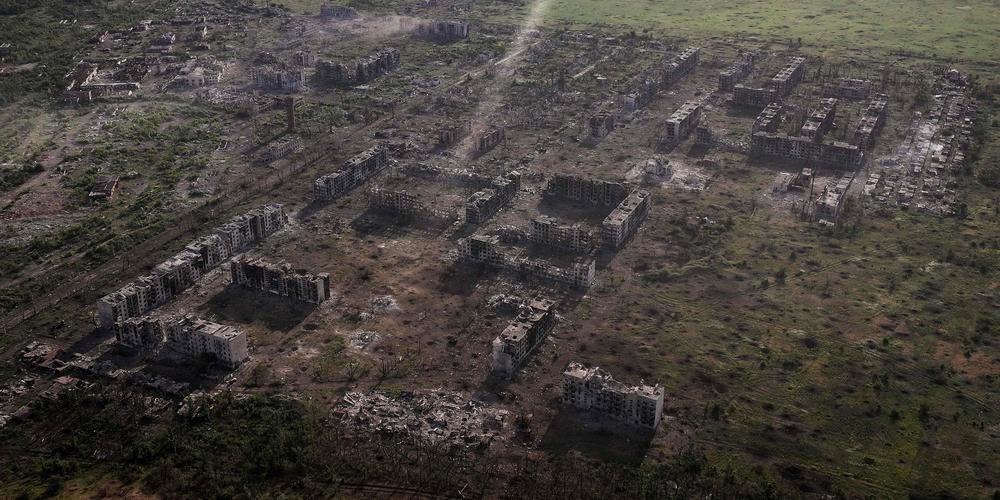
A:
<point x="280" y="279"/>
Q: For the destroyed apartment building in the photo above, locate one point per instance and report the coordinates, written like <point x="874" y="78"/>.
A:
<point x="548" y="231"/>
<point x="830" y="203"/>
<point x="280" y="279"/>
<point x="809" y="145"/>
<point x="275" y="77"/>
<point x="484" y="204"/>
<point x="871" y="122"/>
<point x="848" y="88"/>
<point x="601" y="124"/>
<point x="360" y="71"/>
<point x="623" y="222"/>
<point x="486" y="250"/>
<point x="356" y="171"/>
<point x="658" y="78"/>
<point x="190" y="336"/>
<point x="83" y="85"/>
<point x="171" y="277"/>
<point x="516" y="342"/>
<point x="453" y="134"/>
<point x="682" y="122"/>
<point x="488" y="140"/>
<point x="341" y="12"/>
<point x="405" y="204"/>
<point x="595" y="390"/>
<point x="776" y="88"/>
<point x="631" y="206"/>
<point x="737" y="72"/>
<point x="820" y="121"/>
<point x="442" y="31"/>
<point x="769" y="119"/>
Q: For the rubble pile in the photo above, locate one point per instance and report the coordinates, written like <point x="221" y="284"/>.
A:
<point x="437" y="416"/>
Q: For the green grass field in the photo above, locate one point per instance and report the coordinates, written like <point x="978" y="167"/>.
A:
<point x="946" y="29"/>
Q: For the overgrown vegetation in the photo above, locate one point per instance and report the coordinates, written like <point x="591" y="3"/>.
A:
<point x="269" y="446"/>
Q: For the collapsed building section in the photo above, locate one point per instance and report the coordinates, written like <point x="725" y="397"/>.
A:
<point x="776" y="89"/>
<point x="619" y="226"/>
<point x="683" y="64"/>
<point x="179" y="272"/>
<point x="820" y="121"/>
<point x="533" y="323"/>
<point x="737" y="72"/>
<point x="848" y="88"/>
<point x="483" y="205"/>
<point x="280" y="279"/>
<point x="360" y="71"/>
<point x="403" y="203"/>
<point x="658" y="78"/>
<point x="871" y="122"/>
<point x="485" y="250"/>
<point x="273" y="77"/>
<point x="769" y="119"/>
<point x="186" y="334"/>
<point x="489" y="140"/>
<point x="451" y="135"/>
<point x="594" y="390"/>
<point x="442" y="31"/>
<point x="831" y="154"/>
<point x="548" y="231"/>
<point x="355" y="172"/>
<point x="341" y="12"/>
<point x="682" y="122"/>
<point x="830" y="203"/>
<point x="601" y="124"/>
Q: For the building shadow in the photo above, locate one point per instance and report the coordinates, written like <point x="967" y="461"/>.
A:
<point x="596" y="437"/>
<point x="238" y="305"/>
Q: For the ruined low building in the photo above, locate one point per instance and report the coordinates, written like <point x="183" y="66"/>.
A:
<point x="104" y="188"/>
<point x="601" y="124"/>
<point x="442" y="31"/>
<point x="176" y="274"/>
<point x="848" y="88"/>
<point x="452" y="134"/>
<point x="589" y="191"/>
<point x="341" y="12"/>
<point x="360" y="71"/>
<point x="595" y="390"/>
<point x="356" y="171"/>
<point x="186" y="334"/>
<point x="820" y="121"/>
<point x="277" y="78"/>
<point x="489" y="140"/>
<point x="769" y="119"/>
<point x="280" y="279"/>
<point x="619" y="226"/>
<point x="280" y="149"/>
<point x="830" y="203"/>
<point x="304" y="59"/>
<point x="526" y="332"/>
<point x="682" y="122"/>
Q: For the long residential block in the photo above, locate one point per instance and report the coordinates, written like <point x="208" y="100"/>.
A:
<point x="280" y="279"/>
<point x="619" y="226"/>
<point x="173" y="276"/>
<point x="595" y="390"/>
<point x="683" y="121"/>
<point x="186" y="334"/>
<point x="355" y="172"/>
